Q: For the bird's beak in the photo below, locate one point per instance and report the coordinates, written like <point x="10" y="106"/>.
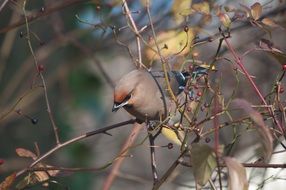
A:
<point x="117" y="106"/>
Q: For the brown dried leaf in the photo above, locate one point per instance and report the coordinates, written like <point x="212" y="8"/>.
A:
<point x="237" y="179"/>
<point x="25" y="153"/>
<point x="256" y="10"/>
<point x="203" y="161"/>
<point x="269" y="22"/>
<point x="263" y="130"/>
<point x="6" y="184"/>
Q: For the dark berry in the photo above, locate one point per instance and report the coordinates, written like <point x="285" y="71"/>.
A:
<point x="207" y="140"/>
<point x="186" y="28"/>
<point x="170" y="145"/>
<point x="34" y="121"/>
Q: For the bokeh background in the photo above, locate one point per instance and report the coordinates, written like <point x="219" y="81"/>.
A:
<point x="81" y="58"/>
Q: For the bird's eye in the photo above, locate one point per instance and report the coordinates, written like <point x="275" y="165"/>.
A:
<point x="128" y="96"/>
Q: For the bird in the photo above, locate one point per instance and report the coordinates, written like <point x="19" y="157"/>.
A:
<point x="142" y="94"/>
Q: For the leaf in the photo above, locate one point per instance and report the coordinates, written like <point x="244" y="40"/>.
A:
<point x="6" y="184"/>
<point x="170" y="43"/>
<point x="172" y="135"/>
<point x="144" y="2"/>
<point x="25" y="153"/>
<point x="38" y="177"/>
<point x="224" y="19"/>
<point x="275" y="52"/>
<point x="203" y="162"/>
<point x="203" y="7"/>
<point x="263" y="130"/>
<point x="256" y="10"/>
<point x="237" y="179"/>
<point x="269" y="22"/>
<point x="178" y="7"/>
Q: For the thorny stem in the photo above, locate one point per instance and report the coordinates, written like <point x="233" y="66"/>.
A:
<point x="216" y="135"/>
<point x="55" y="128"/>
<point x="240" y="63"/>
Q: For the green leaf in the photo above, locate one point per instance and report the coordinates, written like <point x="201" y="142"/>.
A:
<point x="203" y="161"/>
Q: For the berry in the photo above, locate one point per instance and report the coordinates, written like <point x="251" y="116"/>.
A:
<point x="281" y="90"/>
<point x="1" y="161"/>
<point x="34" y="121"/>
<point x="284" y="67"/>
<point x="199" y="93"/>
<point x="186" y="28"/>
<point x="41" y="68"/>
<point x="170" y="145"/>
<point x="207" y="140"/>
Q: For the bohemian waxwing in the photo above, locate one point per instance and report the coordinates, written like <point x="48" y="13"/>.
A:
<point x="140" y="94"/>
<point x="143" y="95"/>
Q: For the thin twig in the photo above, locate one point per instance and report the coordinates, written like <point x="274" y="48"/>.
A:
<point x="239" y="62"/>
<point x="135" y="29"/>
<point x="76" y="139"/>
<point x="169" y="171"/>
<point x="55" y="128"/>
<point x="128" y="143"/>
<point x="3" y="5"/>
<point x="153" y="158"/>
<point x="39" y="14"/>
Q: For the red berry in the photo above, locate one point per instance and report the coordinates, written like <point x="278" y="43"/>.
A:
<point x="199" y="93"/>
<point x="284" y="67"/>
<point x="1" y="161"/>
<point x="40" y="68"/>
<point x="281" y="90"/>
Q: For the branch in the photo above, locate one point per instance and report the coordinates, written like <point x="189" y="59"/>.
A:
<point x="73" y="140"/>
<point x="39" y="14"/>
<point x="115" y="169"/>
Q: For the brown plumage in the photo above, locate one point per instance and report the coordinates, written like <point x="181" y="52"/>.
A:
<point x="139" y="94"/>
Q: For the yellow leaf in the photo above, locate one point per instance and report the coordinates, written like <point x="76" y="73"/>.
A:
<point x="256" y="10"/>
<point x="170" y="43"/>
<point x="172" y="135"/>
<point x="202" y="7"/>
<point x="224" y="19"/>
<point x="178" y="7"/>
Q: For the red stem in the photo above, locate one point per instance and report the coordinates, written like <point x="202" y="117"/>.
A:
<point x="239" y="62"/>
